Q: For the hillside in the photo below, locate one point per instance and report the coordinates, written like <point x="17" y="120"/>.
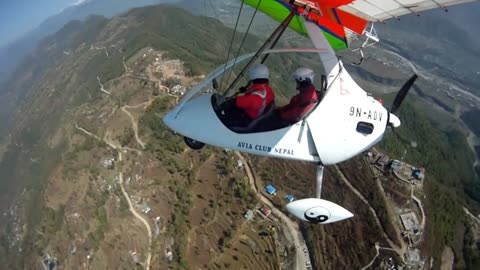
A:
<point x="11" y="54"/>
<point x="87" y="130"/>
<point x="79" y="100"/>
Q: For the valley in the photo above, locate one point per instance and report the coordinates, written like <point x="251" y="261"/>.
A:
<point x="106" y="185"/>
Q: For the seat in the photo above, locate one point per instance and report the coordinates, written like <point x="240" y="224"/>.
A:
<point x="268" y="112"/>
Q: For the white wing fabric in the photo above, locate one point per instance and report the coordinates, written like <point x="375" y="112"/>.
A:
<point x="381" y="10"/>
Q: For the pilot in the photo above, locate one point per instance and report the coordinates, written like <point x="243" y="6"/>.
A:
<point x="304" y="101"/>
<point x="254" y="100"/>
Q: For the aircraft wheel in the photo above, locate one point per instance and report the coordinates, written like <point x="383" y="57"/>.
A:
<point x="193" y="144"/>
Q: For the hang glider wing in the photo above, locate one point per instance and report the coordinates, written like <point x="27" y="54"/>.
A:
<point x="327" y="16"/>
<point x="381" y="10"/>
<point x="341" y="19"/>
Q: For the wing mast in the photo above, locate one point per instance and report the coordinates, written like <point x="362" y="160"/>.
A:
<point x="275" y="35"/>
<point x="329" y="59"/>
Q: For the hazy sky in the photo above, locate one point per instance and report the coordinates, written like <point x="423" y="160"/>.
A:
<point x="20" y="16"/>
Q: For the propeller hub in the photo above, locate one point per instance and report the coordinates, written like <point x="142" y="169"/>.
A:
<point x="394" y="120"/>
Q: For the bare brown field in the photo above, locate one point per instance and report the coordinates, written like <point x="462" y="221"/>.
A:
<point x="219" y="236"/>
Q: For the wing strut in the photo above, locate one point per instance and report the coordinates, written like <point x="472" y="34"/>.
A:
<point x="273" y="45"/>
<point x="280" y="29"/>
<point x="319" y="179"/>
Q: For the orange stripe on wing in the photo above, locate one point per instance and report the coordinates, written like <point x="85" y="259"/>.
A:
<point x="352" y="22"/>
<point x="331" y="3"/>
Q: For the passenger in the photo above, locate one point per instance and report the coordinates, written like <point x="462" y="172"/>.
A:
<point x="301" y="103"/>
<point x="256" y="98"/>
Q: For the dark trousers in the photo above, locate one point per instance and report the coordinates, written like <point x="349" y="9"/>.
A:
<point x="233" y="116"/>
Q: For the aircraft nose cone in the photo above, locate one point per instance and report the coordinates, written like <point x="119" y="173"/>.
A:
<point x="318" y="211"/>
<point x="394" y="120"/>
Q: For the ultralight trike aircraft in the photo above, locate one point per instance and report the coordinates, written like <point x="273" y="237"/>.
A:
<point x="344" y="123"/>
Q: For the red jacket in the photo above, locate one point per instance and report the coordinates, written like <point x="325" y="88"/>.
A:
<point x="299" y="105"/>
<point x="255" y="100"/>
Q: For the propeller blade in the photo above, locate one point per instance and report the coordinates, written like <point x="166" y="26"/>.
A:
<point x="403" y="93"/>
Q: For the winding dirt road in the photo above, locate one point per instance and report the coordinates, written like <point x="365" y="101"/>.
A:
<point x="419" y="203"/>
<point x="399" y="250"/>
<point x="127" y="197"/>
<point x="134" y="127"/>
<point x="471" y="215"/>
<point x="137" y="215"/>
<point x="292" y="226"/>
<point x="377" y="247"/>
<point x="101" y="86"/>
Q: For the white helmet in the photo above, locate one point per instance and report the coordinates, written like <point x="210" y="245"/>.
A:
<point x="259" y="71"/>
<point x="303" y="73"/>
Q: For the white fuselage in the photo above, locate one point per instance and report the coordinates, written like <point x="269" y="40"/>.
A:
<point x="328" y="135"/>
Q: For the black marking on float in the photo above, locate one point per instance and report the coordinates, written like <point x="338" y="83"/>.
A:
<point x="309" y="215"/>
<point x="317" y="219"/>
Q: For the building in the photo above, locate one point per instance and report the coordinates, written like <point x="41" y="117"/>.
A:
<point x="108" y="163"/>
<point x="270" y="189"/>
<point x="178" y="90"/>
<point x="410" y="222"/>
<point x="419" y="173"/>
<point x="145" y="208"/>
<point x="413" y="256"/>
<point x="248" y="215"/>
<point x="382" y="161"/>
<point x="289" y="197"/>
<point x="265" y="210"/>
<point x="135" y="258"/>
<point x="396" y="165"/>
<point x="239" y="164"/>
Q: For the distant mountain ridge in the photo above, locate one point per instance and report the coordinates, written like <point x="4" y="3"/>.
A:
<point x="440" y="42"/>
<point x="15" y="51"/>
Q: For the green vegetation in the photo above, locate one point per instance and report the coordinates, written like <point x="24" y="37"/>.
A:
<point x="446" y="156"/>
<point x="360" y="175"/>
<point x="243" y="192"/>
<point x="165" y="146"/>
<point x="165" y="141"/>
<point x="77" y="32"/>
<point x="103" y="67"/>
<point x="126" y="137"/>
<point x="99" y="198"/>
<point x="225" y="165"/>
<point x="50" y="224"/>
<point x="202" y="44"/>
<point x="471" y="119"/>
<point x="445" y="222"/>
<point x="170" y="82"/>
<point x="179" y="222"/>
<point x="450" y="179"/>
<point x="98" y="234"/>
<point x="470" y="250"/>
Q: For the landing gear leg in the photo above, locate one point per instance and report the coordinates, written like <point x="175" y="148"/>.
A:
<point x="319" y="179"/>
<point x="316" y="210"/>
